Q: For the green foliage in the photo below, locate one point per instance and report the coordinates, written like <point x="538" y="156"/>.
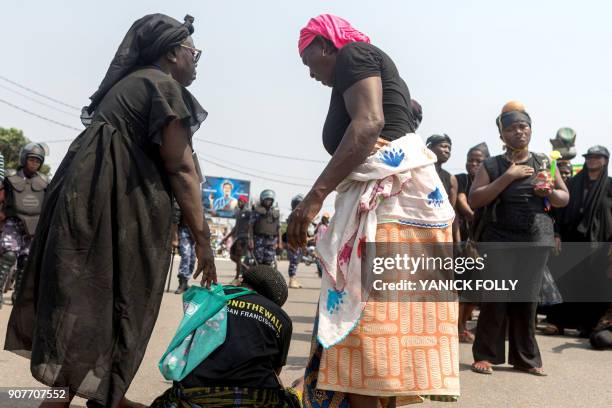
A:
<point x="11" y="142"/>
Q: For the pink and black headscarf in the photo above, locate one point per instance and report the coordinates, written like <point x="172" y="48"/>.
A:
<point x="337" y="30"/>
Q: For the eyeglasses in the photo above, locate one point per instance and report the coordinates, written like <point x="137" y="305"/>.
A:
<point x="194" y="51"/>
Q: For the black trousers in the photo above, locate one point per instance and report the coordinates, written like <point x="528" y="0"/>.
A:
<point x="518" y="317"/>
<point x="490" y="342"/>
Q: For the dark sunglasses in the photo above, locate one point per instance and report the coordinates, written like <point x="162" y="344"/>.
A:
<point x="194" y="51"/>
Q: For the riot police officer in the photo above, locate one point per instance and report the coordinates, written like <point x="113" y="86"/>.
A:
<point x="264" y="230"/>
<point x="294" y="256"/>
<point x="24" y="191"/>
<point x="240" y="234"/>
<point x="186" y="250"/>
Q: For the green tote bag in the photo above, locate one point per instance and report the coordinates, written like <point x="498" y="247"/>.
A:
<point x="201" y="331"/>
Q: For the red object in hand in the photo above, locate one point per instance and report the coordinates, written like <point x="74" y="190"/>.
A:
<point x="543" y="181"/>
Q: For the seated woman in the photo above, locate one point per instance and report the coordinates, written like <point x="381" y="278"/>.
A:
<point x="244" y="370"/>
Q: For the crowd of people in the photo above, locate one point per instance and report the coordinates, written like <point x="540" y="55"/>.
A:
<point x="112" y="243"/>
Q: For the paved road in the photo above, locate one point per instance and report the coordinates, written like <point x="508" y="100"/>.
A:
<point x="578" y="376"/>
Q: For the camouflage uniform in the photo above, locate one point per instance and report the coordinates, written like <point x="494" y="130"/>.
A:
<point x="294" y="259"/>
<point x="187" y="252"/>
<point x="15" y="240"/>
<point x="264" y="244"/>
<point x="24" y="195"/>
<point x="265" y="249"/>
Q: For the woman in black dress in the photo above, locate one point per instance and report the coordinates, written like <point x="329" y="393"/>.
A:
<point x="518" y="220"/>
<point x="94" y="282"/>
<point x="475" y="156"/>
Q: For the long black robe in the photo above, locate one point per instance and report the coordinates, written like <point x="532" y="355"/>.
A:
<point x="94" y="282"/>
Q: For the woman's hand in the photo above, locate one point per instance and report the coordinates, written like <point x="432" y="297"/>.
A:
<point x="206" y="264"/>
<point x="543" y="191"/>
<point x="543" y="186"/>
<point x="300" y="219"/>
<point x="519" y="171"/>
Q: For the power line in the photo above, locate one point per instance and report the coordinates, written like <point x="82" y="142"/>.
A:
<point x="39" y="116"/>
<point x="256" y="175"/>
<point x="279" y="156"/>
<point x="255" y="169"/>
<point x="39" y="94"/>
<point x="37" y="101"/>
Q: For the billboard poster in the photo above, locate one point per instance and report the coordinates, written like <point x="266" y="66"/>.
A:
<point x="220" y="195"/>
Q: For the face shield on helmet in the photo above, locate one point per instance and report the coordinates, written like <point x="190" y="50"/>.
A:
<point x="37" y="150"/>
<point x="295" y="201"/>
<point x="267" y="194"/>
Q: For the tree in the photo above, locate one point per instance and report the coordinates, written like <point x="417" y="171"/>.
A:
<point x="11" y="142"/>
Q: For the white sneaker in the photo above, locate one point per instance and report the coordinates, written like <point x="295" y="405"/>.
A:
<point x="293" y="283"/>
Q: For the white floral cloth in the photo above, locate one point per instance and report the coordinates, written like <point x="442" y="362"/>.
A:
<point x="398" y="184"/>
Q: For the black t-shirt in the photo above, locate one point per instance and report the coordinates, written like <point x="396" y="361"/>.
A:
<point x="357" y="61"/>
<point x="257" y="342"/>
<point x="519" y="215"/>
<point x="464" y="183"/>
<point x="445" y="177"/>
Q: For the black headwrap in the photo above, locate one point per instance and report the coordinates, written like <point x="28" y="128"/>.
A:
<point x="417" y="112"/>
<point x="506" y="119"/>
<point x="595" y="223"/>
<point x="147" y="40"/>
<point x="481" y="147"/>
<point x="435" y="139"/>
<point x="268" y="282"/>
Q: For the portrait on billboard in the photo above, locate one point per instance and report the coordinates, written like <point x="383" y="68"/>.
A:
<point x="220" y="195"/>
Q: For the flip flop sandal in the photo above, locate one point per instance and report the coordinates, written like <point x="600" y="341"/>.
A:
<point x="479" y="370"/>
<point x="537" y="371"/>
<point x="552" y="330"/>
<point x="466" y="337"/>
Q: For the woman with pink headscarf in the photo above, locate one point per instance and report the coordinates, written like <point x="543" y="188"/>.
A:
<point x="365" y="351"/>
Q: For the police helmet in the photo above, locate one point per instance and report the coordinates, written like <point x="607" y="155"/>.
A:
<point x="38" y="150"/>
<point x="295" y="201"/>
<point x="267" y="194"/>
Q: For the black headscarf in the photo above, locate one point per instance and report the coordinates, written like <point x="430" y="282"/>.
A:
<point x="481" y="147"/>
<point x="268" y="282"/>
<point x="435" y="139"/>
<point x="508" y="118"/>
<point x="147" y="40"/>
<point x="417" y="112"/>
<point x="595" y="224"/>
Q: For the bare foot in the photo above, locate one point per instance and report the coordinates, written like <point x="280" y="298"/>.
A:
<point x="482" y="367"/>
<point x="537" y="371"/>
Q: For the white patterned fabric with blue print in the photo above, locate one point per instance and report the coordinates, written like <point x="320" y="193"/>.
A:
<point x="398" y="184"/>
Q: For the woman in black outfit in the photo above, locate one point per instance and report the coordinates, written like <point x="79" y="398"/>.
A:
<point x="475" y="157"/>
<point x="95" y="279"/>
<point x="519" y="219"/>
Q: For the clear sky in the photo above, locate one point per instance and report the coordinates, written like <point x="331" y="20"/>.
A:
<point x="462" y="60"/>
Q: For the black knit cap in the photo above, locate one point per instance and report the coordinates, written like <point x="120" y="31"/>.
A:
<point x="268" y="282"/>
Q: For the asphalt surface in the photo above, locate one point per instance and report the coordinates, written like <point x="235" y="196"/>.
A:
<point x="577" y="375"/>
